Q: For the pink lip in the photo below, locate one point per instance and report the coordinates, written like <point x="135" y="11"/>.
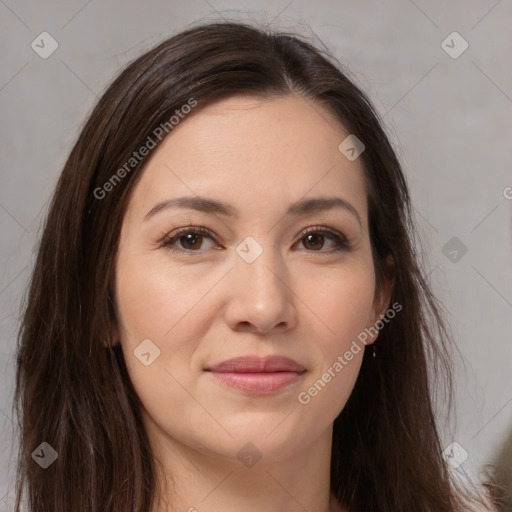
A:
<point x="258" y="375"/>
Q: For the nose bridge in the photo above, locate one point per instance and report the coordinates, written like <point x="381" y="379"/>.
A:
<point x="263" y="275"/>
<point x="261" y="296"/>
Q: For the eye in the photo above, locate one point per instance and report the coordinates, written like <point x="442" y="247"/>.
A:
<point x="190" y="239"/>
<point x="314" y="239"/>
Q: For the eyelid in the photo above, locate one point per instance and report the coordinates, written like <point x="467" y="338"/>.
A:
<point x="342" y="241"/>
<point x="172" y="237"/>
<point x="322" y="229"/>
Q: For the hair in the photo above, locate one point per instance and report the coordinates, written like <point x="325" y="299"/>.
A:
<point x="75" y="393"/>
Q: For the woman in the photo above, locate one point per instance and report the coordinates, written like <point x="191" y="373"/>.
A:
<point x="227" y="311"/>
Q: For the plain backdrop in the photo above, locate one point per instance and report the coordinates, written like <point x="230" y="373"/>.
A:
<point x="448" y="115"/>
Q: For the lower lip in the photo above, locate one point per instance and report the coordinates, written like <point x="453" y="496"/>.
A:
<point x="258" y="383"/>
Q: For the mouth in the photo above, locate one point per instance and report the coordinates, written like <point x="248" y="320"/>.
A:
<point x="257" y="375"/>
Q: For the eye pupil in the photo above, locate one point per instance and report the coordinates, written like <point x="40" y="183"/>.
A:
<point x="315" y="239"/>
<point x="191" y="239"/>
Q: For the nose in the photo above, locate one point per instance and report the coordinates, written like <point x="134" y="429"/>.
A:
<point x="261" y="298"/>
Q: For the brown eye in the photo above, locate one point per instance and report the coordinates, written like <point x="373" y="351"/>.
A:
<point x="188" y="240"/>
<point x="191" y="241"/>
<point x="315" y="239"/>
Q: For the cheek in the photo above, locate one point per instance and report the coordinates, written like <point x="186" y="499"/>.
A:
<point x="154" y="298"/>
<point x="171" y="307"/>
<point x="342" y="303"/>
<point x="163" y="304"/>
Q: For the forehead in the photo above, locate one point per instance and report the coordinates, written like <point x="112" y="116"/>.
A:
<point x="254" y="151"/>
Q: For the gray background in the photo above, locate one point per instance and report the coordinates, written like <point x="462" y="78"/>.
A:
<point x="450" y="120"/>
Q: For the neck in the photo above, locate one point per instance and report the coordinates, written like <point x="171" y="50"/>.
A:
<point x="202" y="481"/>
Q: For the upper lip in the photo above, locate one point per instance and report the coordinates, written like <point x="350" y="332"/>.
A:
<point x="255" y="364"/>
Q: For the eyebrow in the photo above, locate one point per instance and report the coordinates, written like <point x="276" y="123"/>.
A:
<point x="207" y="205"/>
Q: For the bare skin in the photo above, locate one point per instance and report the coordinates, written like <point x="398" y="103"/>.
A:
<point x="300" y="297"/>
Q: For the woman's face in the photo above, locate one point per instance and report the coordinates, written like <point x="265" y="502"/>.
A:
<point x="254" y="283"/>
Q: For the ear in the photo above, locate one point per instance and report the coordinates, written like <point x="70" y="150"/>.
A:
<point x="382" y="298"/>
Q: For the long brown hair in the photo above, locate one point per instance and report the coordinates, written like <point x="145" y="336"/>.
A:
<point x="75" y="394"/>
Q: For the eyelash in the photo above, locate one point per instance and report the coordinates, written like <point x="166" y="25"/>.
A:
<point x="341" y="241"/>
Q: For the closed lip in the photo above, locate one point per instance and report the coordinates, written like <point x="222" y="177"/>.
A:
<point x="256" y="364"/>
